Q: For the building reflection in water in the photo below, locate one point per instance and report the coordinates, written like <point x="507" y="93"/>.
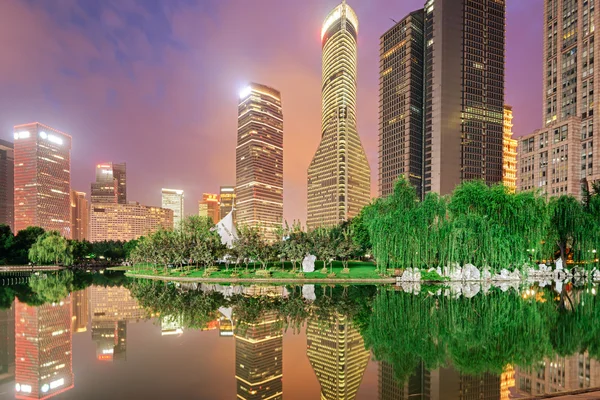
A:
<point x="558" y="374"/>
<point x="259" y="359"/>
<point x="81" y="310"/>
<point x="444" y="384"/>
<point x="337" y="354"/>
<point x="171" y="325"/>
<point x="43" y="350"/>
<point x="7" y="345"/>
<point x="111" y="309"/>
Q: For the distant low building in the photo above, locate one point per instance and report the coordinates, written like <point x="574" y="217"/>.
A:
<point x="127" y="221"/>
<point x="209" y="207"/>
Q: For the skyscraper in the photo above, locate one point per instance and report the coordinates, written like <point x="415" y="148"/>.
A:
<point x="42" y="178"/>
<point x="259" y="159"/>
<point x="337" y="354"/>
<point x="79" y="215"/>
<point x="209" y="206"/>
<point x="339" y="176"/>
<point x="7" y="344"/>
<point x="7" y="183"/>
<point x="172" y="199"/>
<point x="110" y="185"/>
<point x="561" y="157"/>
<point x="401" y="96"/>
<point x="509" y="157"/>
<point x="44" y="349"/>
<point x="442" y="74"/>
<point x="226" y="200"/>
<point x="259" y="359"/>
<point x="81" y="310"/>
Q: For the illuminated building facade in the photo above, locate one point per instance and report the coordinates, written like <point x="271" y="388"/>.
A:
<point x="42" y="178"/>
<point x="552" y="159"/>
<point x="570" y="80"/>
<point x="337" y="354"/>
<point x="226" y="200"/>
<point x="558" y="374"/>
<point x="111" y="309"/>
<point x="7" y="344"/>
<point x="339" y="176"/>
<point x="7" y="184"/>
<point x="79" y="215"/>
<point x="43" y="349"/>
<point x="171" y="325"/>
<point x="172" y="199"/>
<point x="111" y="184"/>
<point x="509" y="157"/>
<point x="127" y="221"/>
<point x="464" y="92"/>
<point x="259" y="160"/>
<point x="259" y="359"/>
<point x="209" y="206"/>
<point x="417" y="387"/>
<point x="401" y="96"/>
<point x="81" y="310"/>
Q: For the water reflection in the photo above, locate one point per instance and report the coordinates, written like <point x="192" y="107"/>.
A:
<point x="357" y="342"/>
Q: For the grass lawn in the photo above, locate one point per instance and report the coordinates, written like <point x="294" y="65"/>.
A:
<point x="358" y="270"/>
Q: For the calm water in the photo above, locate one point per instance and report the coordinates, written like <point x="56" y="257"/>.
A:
<point x="154" y="341"/>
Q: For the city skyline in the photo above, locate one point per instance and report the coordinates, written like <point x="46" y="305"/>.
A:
<point x="218" y="86"/>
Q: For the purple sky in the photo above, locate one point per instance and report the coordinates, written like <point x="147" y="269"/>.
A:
<point x="155" y="83"/>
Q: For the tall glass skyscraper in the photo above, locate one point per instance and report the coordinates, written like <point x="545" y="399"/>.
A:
<point x="172" y="199"/>
<point x="339" y="176"/>
<point x="7" y="183"/>
<point x="111" y="184"/>
<point x="42" y="178"/>
<point x="259" y="160"/>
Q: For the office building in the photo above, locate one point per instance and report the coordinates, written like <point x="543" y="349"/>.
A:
<point x="42" y="178"/>
<point x="438" y="77"/>
<point x="43" y="349"/>
<point x="259" y="160"/>
<point x="569" y="160"/>
<point x="259" y="359"/>
<point x="7" y="345"/>
<point x="337" y="354"/>
<point x="79" y="215"/>
<point x="401" y="96"/>
<point x="416" y="387"/>
<point x="120" y="174"/>
<point x="226" y="200"/>
<point x="172" y="199"/>
<point x="509" y="157"/>
<point x="339" y="176"/>
<point x="126" y="221"/>
<point x="7" y="183"/>
<point x="209" y="206"/>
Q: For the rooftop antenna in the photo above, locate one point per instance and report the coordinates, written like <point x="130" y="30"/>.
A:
<point x="394" y="20"/>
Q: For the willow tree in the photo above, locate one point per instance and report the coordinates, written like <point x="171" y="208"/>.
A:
<point x="568" y="224"/>
<point x="51" y="247"/>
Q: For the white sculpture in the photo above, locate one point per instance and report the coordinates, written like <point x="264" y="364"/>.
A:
<point x="471" y="290"/>
<point x="456" y="273"/>
<point x="308" y="292"/>
<point x="308" y="264"/>
<point x="486" y="275"/>
<point x="559" y="285"/>
<point x="596" y="275"/>
<point x="559" y="264"/>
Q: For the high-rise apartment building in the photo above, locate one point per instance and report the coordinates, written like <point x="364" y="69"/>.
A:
<point x="110" y="185"/>
<point x="551" y="159"/>
<point x="401" y="96"/>
<point x="259" y="359"/>
<point x="339" y="176"/>
<point x="209" y="206"/>
<point x="79" y="215"/>
<point x="126" y="221"/>
<point x="509" y="157"/>
<point x="259" y="160"/>
<point x="337" y="354"/>
<point x="43" y="349"/>
<point x="226" y="200"/>
<point x="442" y="74"/>
<point x="172" y="199"/>
<point x="7" y="183"/>
<point x="42" y="176"/>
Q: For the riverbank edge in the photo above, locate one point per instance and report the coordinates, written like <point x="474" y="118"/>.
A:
<point x="560" y="395"/>
<point x="304" y="281"/>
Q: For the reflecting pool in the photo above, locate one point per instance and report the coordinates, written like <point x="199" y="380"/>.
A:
<point x="104" y="336"/>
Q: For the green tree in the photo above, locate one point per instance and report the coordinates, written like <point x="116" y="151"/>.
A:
<point x="51" y="247"/>
<point x="567" y="223"/>
<point x="22" y="243"/>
